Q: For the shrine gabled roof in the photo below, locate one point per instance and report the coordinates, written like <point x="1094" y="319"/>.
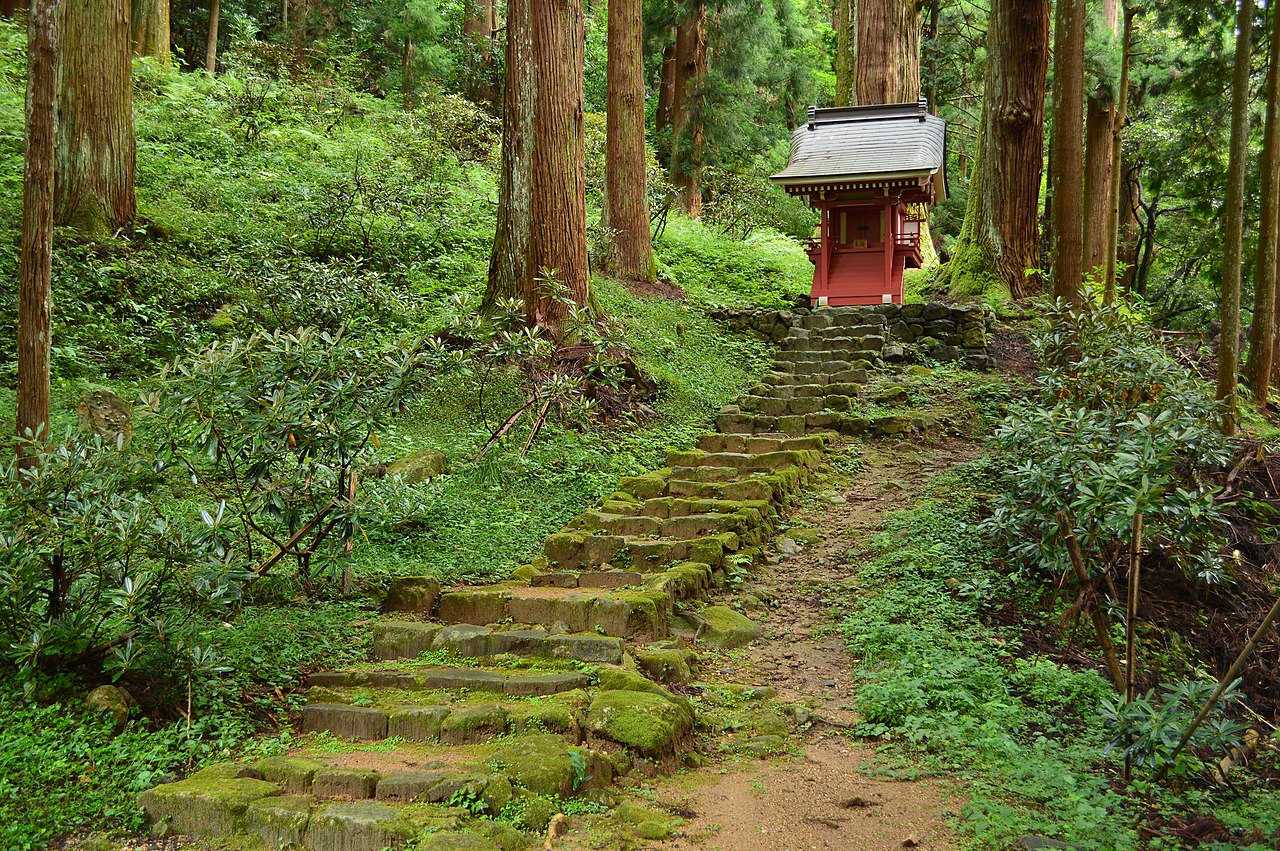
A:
<point x="888" y="141"/>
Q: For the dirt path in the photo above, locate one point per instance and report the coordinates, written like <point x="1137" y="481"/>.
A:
<point x="819" y="800"/>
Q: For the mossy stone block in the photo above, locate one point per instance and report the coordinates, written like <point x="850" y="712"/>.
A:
<point x="474" y="607"/>
<point x="418" y="723"/>
<point x="402" y="639"/>
<point x="643" y="487"/>
<point x="726" y="628"/>
<point x="644" y="822"/>
<point x="293" y="774"/>
<point x="646" y="722"/>
<point x="454" y="840"/>
<point x="474" y="724"/>
<point x="359" y="723"/>
<point x="668" y="666"/>
<point x="544" y="718"/>
<point x="412" y="594"/>
<point x="419" y="466"/>
<point x="279" y="822"/>
<point x="563" y="547"/>
<point x="345" y="783"/>
<point x="543" y="764"/>
<point x="360" y="826"/>
<point x="209" y="807"/>
<point x="407" y="786"/>
<point x="585" y="648"/>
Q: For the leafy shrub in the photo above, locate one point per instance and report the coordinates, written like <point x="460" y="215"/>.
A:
<point x="1118" y="429"/>
<point x="742" y="203"/>
<point x="97" y="567"/>
<point x="1148" y="728"/>
<point x="277" y="428"/>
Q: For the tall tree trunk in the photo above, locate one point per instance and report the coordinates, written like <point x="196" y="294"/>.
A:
<point x="95" y="148"/>
<point x="930" y="89"/>
<point x="1233" y="225"/>
<point x="1262" y="337"/>
<point x="1099" y="128"/>
<point x="626" y="208"/>
<point x="211" y="47"/>
<point x="687" y="105"/>
<point x="1066" y="157"/>
<point x="477" y="29"/>
<point x="666" y="87"/>
<point x="846" y="24"/>
<point x="1000" y="238"/>
<point x="408" y="74"/>
<point x="542" y="216"/>
<point x="1115" y="180"/>
<point x="149" y="20"/>
<point x="9" y="8"/>
<point x="886" y="51"/>
<point x="35" y="263"/>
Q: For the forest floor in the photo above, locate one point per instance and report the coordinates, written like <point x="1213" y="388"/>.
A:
<point x="829" y="792"/>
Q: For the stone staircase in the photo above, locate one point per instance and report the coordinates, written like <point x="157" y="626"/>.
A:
<point x="483" y="709"/>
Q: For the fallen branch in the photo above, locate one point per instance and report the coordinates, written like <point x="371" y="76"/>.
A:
<point x="287" y="547"/>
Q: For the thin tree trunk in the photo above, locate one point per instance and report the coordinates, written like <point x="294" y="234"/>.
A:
<point x="1262" y="337"/>
<point x="630" y="251"/>
<point x="876" y="52"/>
<point x="542" y="218"/>
<point x="1000" y="238"/>
<point x="1116" y="178"/>
<point x="35" y="263"/>
<point x="149" y="21"/>
<point x="1066" y="157"/>
<point x="1233" y="226"/>
<point x="477" y="29"/>
<point x="95" y="150"/>
<point x="666" y="87"/>
<point x="1099" y="131"/>
<point x="687" y="106"/>
<point x="408" y="74"/>
<point x="211" y="47"/>
<point x="9" y="8"/>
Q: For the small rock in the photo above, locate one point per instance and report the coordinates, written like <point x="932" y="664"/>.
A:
<point x="910" y="842"/>
<point x="105" y="414"/>
<point x="789" y="547"/>
<point x="829" y="683"/>
<point x="838" y="500"/>
<point x="419" y="466"/>
<point x="559" y="628"/>
<point x="112" y="699"/>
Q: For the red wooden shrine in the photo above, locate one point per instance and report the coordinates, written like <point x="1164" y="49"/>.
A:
<point x="871" y="172"/>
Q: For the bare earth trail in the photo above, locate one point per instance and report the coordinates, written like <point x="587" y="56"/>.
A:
<point x="820" y="800"/>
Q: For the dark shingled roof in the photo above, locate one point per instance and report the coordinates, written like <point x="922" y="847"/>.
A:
<point x="894" y="140"/>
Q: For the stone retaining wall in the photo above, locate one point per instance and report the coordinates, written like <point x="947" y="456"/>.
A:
<point x="903" y="332"/>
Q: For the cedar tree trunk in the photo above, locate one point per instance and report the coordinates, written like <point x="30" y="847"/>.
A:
<point x="149" y="21"/>
<point x="846" y="23"/>
<point x="1000" y="238"/>
<point x="687" y="104"/>
<point x="666" y="87"/>
<point x="1066" y="157"/>
<point x="1099" y="128"/>
<point x="1233" y="224"/>
<point x="36" y="260"/>
<point x="95" y="151"/>
<point x="626" y="204"/>
<point x="1262" y="336"/>
<point x="1115" y="179"/>
<point x="542" y="216"/>
<point x="886" y="51"/>
<point x="477" y="29"/>
<point x="211" y="47"/>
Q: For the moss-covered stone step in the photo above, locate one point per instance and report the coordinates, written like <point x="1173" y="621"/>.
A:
<point x="837" y="349"/>
<point x="796" y="391"/>
<point x="760" y="444"/>
<point x="574" y="548"/>
<point x="409" y="639"/>
<point x="457" y="718"/>
<point x="772" y="488"/>
<point x="853" y="376"/>
<point x="682" y="463"/>
<point x="433" y="677"/>
<point x="666" y="507"/>
<point x="845" y="369"/>
<point x="778" y="407"/>
<point x="287" y="801"/>
<point x="619" y="613"/>
<point x="743" y="522"/>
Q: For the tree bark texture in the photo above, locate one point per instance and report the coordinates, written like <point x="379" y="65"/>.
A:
<point x="1066" y="157"/>
<point x="477" y="29"/>
<point x="666" y="87"/>
<point x="35" y="265"/>
<point x="1262" y="337"/>
<point x="542" y="217"/>
<point x="846" y="25"/>
<point x="1116" y="180"/>
<point x="149" y="22"/>
<point x="1000" y="238"/>
<point x="9" y="8"/>
<point x="885" y="51"/>
<point x="211" y="47"/>
<point x="1099" y="129"/>
<point x="95" y="149"/>
<point x="1233" y="222"/>
<point x="687" y="100"/>
<point x="630" y="251"/>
